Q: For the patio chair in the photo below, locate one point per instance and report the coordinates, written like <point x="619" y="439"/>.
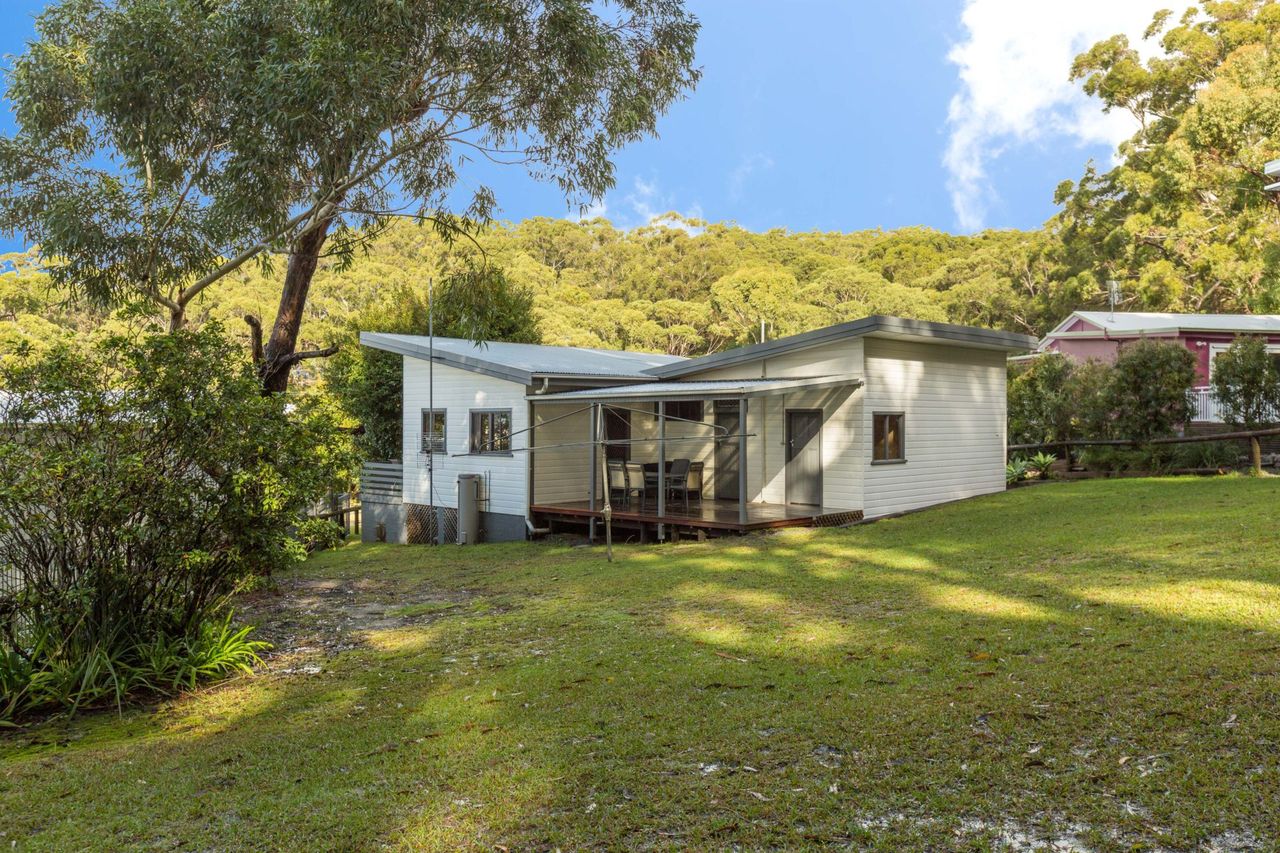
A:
<point x="696" y="470"/>
<point x="617" y="477"/>
<point x="678" y="481"/>
<point x="635" y="479"/>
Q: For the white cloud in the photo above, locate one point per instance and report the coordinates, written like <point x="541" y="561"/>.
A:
<point x="1013" y="69"/>
<point x="651" y="206"/>
<point x="744" y="170"/>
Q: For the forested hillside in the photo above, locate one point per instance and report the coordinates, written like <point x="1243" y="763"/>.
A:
<point x="679" y="286"/>
<point x="1181" y="223"/>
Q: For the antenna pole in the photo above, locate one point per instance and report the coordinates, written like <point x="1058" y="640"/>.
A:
<point x="431" y="389"/>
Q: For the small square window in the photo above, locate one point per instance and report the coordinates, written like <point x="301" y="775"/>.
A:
<point x="491" y="431"/>
<point x="433" y="422"/>
<point x="888" y="437"/>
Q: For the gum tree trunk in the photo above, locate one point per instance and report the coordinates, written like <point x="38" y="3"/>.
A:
<point x="280" y="353"/>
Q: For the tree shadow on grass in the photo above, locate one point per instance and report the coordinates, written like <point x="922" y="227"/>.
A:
<point x="919" y="682"/>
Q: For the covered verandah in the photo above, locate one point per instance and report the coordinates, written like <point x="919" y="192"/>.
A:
<point x="664" y="458"/>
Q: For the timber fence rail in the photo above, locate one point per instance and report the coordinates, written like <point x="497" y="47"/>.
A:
<point x="1241" y="435"/>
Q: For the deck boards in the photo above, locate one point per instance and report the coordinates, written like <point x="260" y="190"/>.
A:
<point x="709" y="514"/>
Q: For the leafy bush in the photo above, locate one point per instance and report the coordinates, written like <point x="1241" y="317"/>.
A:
<point x="1148" y="389"/>
<point x="1206" y="454"/>
<point x="1041" y="462"/>
<point x="1113" y="459"/>
<point x="109" y="673"/>
<point x="1015" y="470"/>
<point x="320" y="534"/>
<point x="1090" y="400"/>
<point x="1039" y="399"/>
<point x="144" y="478"/>
<point x="1246" y="384"/>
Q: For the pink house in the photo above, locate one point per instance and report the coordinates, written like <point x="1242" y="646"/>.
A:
<point x="1101" y="334"/>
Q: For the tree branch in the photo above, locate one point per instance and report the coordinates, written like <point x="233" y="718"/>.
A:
<point x="255" y="336"/>
<point x="295" y="357"/>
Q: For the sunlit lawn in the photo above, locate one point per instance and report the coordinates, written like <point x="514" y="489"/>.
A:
<point x="1096" y="663"/>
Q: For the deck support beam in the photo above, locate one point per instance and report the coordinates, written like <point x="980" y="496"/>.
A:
<point x="593" y="467"/>
<point x="742" y="461"/>
<point x="662" y="467"/>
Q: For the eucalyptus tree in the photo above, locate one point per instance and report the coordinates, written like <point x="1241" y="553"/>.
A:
<point x="1182" y="220"/>
<point x="163" y="144"/>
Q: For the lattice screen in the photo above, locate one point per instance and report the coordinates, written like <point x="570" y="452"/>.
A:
<point x="424" y="524"/>
<point x="838" y="519"/>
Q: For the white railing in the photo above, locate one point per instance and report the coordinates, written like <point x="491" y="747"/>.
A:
<point x="1204" y="405"/>
<point x="1205" y="408"/>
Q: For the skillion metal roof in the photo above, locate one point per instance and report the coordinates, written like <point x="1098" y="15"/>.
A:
<point x="705" y="389"/>
<point x="523" y="362"/>
<point x="873" y="326"/>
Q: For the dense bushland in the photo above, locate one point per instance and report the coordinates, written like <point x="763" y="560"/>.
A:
<point x="145" y="478"/>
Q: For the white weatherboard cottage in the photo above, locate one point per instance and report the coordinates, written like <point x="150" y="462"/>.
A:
<point x="862" y="419"/>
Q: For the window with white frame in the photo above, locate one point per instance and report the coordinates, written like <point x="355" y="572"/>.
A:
<point x="433" y="424"/>
<point x="1216" y="350"/>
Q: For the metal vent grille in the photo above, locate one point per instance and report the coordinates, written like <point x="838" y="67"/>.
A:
<point x="430" y="525"/>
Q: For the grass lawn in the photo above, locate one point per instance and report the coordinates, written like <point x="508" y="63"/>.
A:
<point x="1094" y="664"/>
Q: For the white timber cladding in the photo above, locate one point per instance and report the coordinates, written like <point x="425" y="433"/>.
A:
<point x="952" y="396"/>
<point x="954" y="404"/>
<point x="842" y="422"/>
<point x="458" y="393"/>
<point x="561" y="473"/>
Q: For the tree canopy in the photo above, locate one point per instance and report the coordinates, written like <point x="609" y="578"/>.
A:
<point x="1182" y="222"/>
<point x="163" y="144"/>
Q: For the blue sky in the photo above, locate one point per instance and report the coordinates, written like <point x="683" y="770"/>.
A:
<point x="955" y="114"/>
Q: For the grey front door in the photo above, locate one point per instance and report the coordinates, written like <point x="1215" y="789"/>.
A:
<point x="727" y="424"/>
<point x="804" y="457"/>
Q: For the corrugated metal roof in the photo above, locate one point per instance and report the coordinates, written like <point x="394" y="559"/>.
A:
<point x="875" y="325"/>
<point x="1155" y="321"/>
<point x="522" y="362"/>
<point x="705" y="389"/>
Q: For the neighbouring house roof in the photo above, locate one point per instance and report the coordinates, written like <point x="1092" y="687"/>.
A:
<point x="1154" y="322"/>
<point x="709" y="389"/>
<point x="523" y="363"/>
<point x="874" y="326"/>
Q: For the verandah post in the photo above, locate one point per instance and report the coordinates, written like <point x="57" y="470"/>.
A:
<point x="591" y="455"/>
<point x="662" y="468"/>
<point x="742" y="461"/>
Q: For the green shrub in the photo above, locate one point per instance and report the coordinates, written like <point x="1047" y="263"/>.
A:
<point x="1110" y="459"/>
<point x="1016" y="469"/>
<point x="1147" y="393"/>
<point x="320" y="534"/>
<point x="1206" y="454"/>
<point x="109" y="673"/>
<point x="1246" y="384"/>
<point x="1090" y="401"/>
<point x="145" y="478"/>
<point x="1041" y="463"/>
<point x="1039" y="399"/>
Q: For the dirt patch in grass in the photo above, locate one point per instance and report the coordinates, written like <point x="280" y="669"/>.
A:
<point x="309" y="620"/>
